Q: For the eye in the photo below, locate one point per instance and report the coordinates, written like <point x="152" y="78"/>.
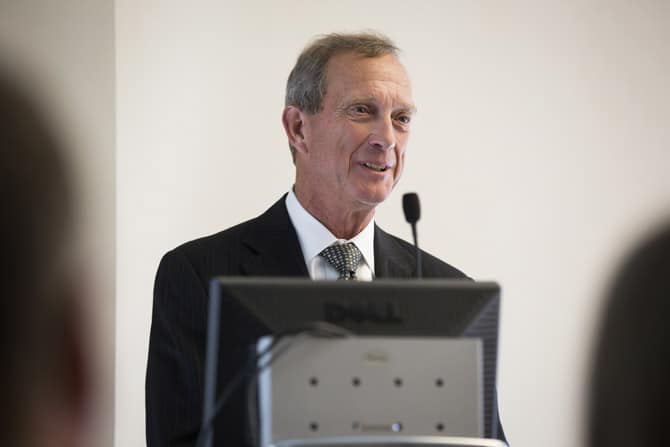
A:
<point x="360" y="109"/>
<point x="404" y="119"/>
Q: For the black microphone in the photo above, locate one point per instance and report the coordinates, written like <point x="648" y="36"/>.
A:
<point x="412" y="209"/>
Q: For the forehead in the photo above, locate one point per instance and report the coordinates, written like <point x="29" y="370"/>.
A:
<point x="352" y="75"/>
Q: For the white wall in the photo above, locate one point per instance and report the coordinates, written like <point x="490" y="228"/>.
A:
<point x="540" y="151"/>
<point x="65" y="48"/>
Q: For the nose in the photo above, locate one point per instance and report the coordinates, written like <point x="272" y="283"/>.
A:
<point x="383" y="135"/>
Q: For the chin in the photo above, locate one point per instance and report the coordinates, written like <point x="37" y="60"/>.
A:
<point x="373" y="198"/>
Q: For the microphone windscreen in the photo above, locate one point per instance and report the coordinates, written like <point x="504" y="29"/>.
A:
<point x="411" y="207"/>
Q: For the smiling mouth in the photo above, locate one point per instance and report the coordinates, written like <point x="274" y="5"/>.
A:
<point x="375" y="167"/>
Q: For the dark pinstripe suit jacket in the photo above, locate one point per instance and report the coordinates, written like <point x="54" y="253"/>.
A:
<point x="264" y="246"/>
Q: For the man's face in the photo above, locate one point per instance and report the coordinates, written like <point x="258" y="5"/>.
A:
<point x="355" y="146"/>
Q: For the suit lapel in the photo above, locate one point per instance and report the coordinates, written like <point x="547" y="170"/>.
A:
<point x="390" y="260"/>
<point x="272" y="245"/>
<point x="272" y="249"/>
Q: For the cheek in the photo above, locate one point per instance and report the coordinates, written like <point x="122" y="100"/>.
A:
<point x="400" y="154"/>
<point x="348" y="140"/>
<point x="355" y="135"/>
<point x="321" y="135"/>
<point x="400" y="157"/>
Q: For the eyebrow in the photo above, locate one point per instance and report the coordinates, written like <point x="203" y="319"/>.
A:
<point x="406" y="107"/>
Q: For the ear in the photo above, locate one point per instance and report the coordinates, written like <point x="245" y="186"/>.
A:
<point x="294" y="126"/>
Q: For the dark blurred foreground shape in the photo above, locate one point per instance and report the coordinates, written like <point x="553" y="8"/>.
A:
<point x="43" y="378"/>
<point x="630" y="386"/>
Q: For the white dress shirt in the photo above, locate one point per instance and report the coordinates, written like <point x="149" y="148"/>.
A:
<point x="314" y="237"/>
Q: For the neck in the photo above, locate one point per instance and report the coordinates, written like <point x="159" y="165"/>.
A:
<point x="341" y="220"/>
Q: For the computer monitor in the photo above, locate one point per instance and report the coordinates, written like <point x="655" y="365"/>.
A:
<point x="244" y="309"/>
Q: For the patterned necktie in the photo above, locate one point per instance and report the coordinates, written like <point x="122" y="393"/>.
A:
<point x="344" y="257"/>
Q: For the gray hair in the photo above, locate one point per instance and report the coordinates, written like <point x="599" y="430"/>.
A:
<point x="306" y="85"/>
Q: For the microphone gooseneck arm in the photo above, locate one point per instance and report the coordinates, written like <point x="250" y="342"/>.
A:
<point x="419" y="273"/>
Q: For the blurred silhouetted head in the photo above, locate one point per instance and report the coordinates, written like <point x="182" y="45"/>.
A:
<point x="630" y="389"/>
<point x="41" y="381"/>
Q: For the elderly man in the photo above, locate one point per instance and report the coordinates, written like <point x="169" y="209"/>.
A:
<point x="347" y="117"/>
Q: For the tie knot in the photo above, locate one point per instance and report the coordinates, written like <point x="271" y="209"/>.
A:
<point x="344" y="257"/>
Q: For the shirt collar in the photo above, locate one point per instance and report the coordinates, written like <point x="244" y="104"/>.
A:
<point x="314" y="236"/>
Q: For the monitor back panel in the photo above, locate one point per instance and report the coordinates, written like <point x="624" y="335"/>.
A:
<point x="372" y="386"/>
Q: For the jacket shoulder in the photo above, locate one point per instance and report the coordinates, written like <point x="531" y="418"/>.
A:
<point x="215" y="254"/>
<point x="431" y="266"/>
